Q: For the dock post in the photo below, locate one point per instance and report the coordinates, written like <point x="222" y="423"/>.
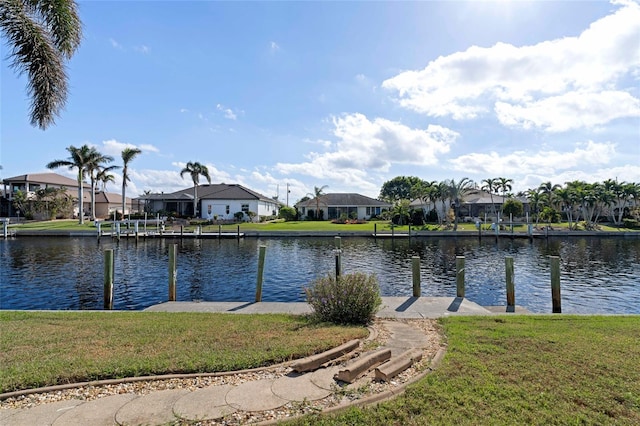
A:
<point x="338" y="253"/>
<point x="238" y="231"/>
<point x="145" y="223"/>
<point x="173" y="272"/>
<point x="219" y="231"/>
<point x="108" y="279"/>
<point x="555" y="284"/>
<point x="5" y="228"/>
<point x="392" y="230"/>
<point x="136" y="227"/>
<point x="261" y="256"/>
<point x="181" y="230"/>
<point x="460" y="276"/>
<point x="511" y="296"/>
<point x="375" y="230"/>
<point x="118" y="230"/>
<point x="415" y="267"/>
<point x="98" y="225"/>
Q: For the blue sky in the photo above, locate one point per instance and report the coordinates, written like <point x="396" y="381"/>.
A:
<point x="345" y="94"/>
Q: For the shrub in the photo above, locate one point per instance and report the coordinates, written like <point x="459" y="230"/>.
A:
<point x="288" y="214"/>
<point x="631" y="223"/>
<point x="350" y="299"/>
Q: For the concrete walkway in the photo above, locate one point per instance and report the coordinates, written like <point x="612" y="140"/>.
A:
<point x="217" y="401"/>
<point x="392" y="307"/>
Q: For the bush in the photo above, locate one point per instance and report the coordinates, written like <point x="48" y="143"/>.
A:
<point x="288" y="214"/>
<point x="631" y="223"/>
<point x="350" y="299"/>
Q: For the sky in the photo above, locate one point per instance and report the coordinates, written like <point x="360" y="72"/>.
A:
<point x="344" y="94"/>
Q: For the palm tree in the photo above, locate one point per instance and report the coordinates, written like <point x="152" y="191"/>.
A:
<point x="535" y="201"/>
<point x="128" y="154"/>
<point x="42" y="35"/>
<point x="567" y="198"/>
<point x="423" y="191"/>
<point x="505" y="185"/>
<point x="457" y="191"/>
<point x="104" y="177"/>
<point x="491" y="186"/>
<point x="317" y="193"/>
<point x="196" y="170"/>
<point x="94" y="166"/>
<point x="79" y="158"/>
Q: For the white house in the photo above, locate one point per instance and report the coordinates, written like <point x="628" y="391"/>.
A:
<point x="215" y="201"/>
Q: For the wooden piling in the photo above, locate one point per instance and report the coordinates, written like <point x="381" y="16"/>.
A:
<point x="338" y="254"/>
<point x="415" y="267"/>
<point x="375" y="229"/>
<point x="261" y="256"/>
<point x="238" y="231"/>
<point x="173" y="271"/>
<point x="511" y="295"/>
<point x="555" y="284"/>
<point x="459" y="276"/>
<point x="108" y="279"/>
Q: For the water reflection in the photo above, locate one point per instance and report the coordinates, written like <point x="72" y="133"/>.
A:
<point x="598" y="275"/>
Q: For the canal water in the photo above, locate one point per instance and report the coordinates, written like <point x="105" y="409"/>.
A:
<point x="598" y="275"/>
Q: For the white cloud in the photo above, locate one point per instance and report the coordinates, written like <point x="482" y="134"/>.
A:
<point x="115" y="44"/>
<point x="142" y="49"/>
<point x="572" y="110"/>
<point x="556" y="75"/>
<point x="216" y="175"/>
<point x="114" y="148"/>
<point x="364" y="146"/>
<point x="228" y="112"/>
<point x="543" y="162"/>
<point x="274" y="47"/>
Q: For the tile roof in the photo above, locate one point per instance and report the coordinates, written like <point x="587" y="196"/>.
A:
<point x="45" y="178"/>
<point x="344" y="200"/>
<point x="217" y="191"/>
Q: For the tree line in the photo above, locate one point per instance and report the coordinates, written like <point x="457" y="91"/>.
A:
<point x="576" y="201"/>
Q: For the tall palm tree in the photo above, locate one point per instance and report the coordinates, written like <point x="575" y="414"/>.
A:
<point x="128" y="154"/>
<point x="457" y="191"/>
<point x="196" y="170"/>
<point x="42" y="35"/>
<point x="94" y="166"/>
<point x="317" y="193"/>
<point x="535" y="201"/>
<point x="79" y="158"/>
<point x="491" y="185"/>
<point x="505" y="185"/>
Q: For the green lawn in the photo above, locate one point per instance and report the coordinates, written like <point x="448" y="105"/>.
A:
<point x="540" y="370"/>
<point x="47" y="348"/>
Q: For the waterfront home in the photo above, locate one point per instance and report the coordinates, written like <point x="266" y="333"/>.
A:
<point x="215" y="202"/>
<point x="106" y="202"/>
<point x="333" y="206"/>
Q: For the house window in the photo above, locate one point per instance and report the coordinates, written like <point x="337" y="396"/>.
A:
<point x="368" y="211"/>
<point x="245" y="208"/>
<point x="227" y="209"/>
<point x="304" y="211"/>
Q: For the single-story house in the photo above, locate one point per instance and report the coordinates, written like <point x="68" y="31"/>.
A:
<point x="475" y="204"/>
<point x="215" y="202"/>
<point x="333" y="206"/>
<point x="106" y="202"/>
